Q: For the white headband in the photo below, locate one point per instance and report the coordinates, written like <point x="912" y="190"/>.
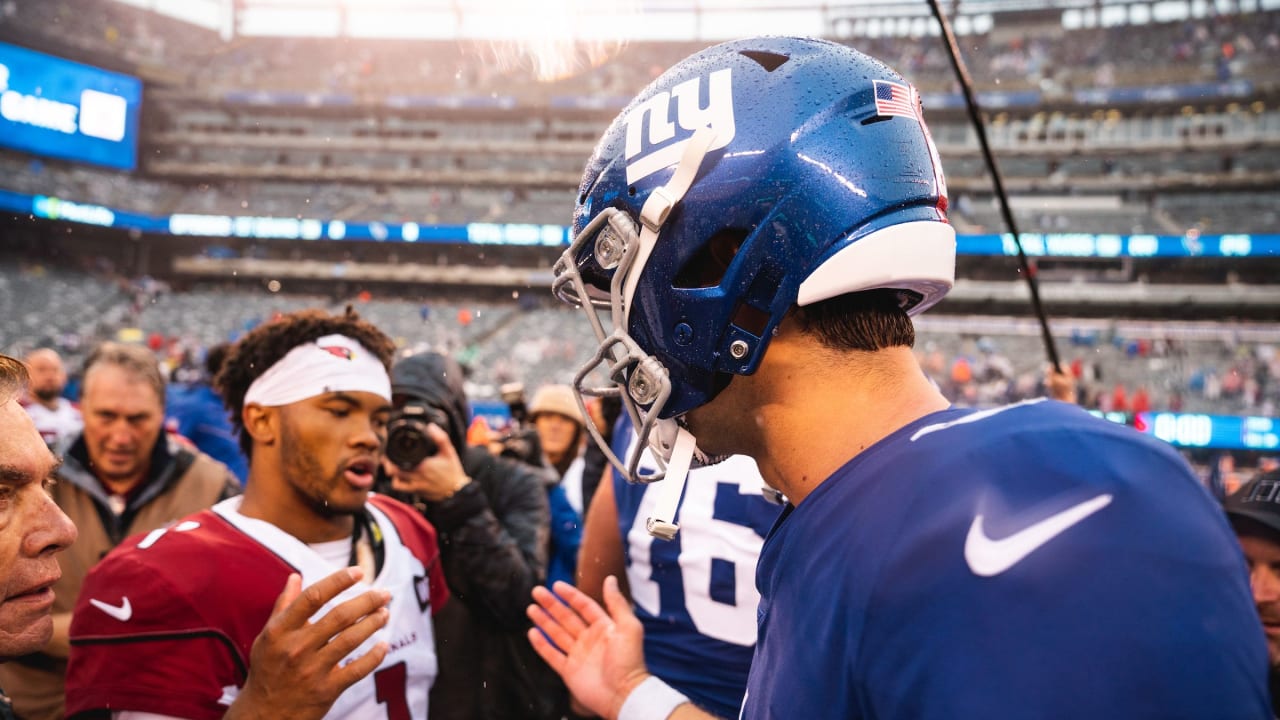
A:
<point x="334" y="363"/>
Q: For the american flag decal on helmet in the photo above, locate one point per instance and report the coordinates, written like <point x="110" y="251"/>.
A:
<point x="900" y="100"/>
<point x="896" y="99"/>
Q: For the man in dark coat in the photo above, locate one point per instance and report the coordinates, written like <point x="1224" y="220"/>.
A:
<point x="492" y="517"/>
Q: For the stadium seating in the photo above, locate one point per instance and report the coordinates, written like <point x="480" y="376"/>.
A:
<point x="1026" y="54"/>
<point x="51" y="307"/>
<point x="439" y="132"/>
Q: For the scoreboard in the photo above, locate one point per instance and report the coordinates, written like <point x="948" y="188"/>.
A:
<point x="1196" y="430"/>
<point x="1200" y="430"/>
<point x="64" y="109"/>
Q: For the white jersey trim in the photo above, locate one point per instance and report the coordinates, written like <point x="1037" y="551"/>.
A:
<point x="973" y="417"/>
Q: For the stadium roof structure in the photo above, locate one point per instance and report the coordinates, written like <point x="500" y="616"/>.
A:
<point x="670" y="20"/>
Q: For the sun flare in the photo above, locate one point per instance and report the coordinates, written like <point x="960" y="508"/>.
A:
<point x="553" y="39"/>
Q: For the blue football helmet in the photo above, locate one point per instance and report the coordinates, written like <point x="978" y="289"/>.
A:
<point x="752" y="177"/>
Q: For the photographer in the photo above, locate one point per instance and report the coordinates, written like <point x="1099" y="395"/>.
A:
<point x="520" y="441"/>
<point x="492" y="518"/>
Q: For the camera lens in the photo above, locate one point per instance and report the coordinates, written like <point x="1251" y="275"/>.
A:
<point x="407" y="441"/>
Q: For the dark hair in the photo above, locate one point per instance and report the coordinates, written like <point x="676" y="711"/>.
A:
<point x="268" y="343"/>
<point x="137" y="360"/>
<point x="867" y="321"/>
<point x="214" y="357"/>
<point x="13" y="377"/>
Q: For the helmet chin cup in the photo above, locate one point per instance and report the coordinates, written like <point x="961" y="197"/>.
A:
<point x="661" y="529"/>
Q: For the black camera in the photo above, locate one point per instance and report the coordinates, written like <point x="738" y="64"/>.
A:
<point x="407" y="441"/>
<point x="522" y="444"/>
<point x="512" y="394"/>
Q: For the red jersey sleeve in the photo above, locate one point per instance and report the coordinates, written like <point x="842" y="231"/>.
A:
<point x="137" y="645"/>
<point x="165" y="622"/>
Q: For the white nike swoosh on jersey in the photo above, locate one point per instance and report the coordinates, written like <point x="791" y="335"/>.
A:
<point x="122" y="613"/>
<point x="988" y="557"/>
<point x="229" y="695"/>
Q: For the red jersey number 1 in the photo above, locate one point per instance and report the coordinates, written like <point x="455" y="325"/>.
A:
<point x="390" y="684"/>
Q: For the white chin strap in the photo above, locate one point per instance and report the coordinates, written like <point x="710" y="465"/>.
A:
<point x="663" y="522"/>
<point x="677" y="450"/>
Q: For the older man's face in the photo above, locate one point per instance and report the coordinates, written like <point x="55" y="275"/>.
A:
<point x="32" y="531"/>
<point x="123" y="418"/>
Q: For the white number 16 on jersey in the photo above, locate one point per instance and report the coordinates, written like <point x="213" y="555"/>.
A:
<point x="704" y="538"/>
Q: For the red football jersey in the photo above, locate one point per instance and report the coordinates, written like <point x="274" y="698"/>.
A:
<point x="164" y="624"/>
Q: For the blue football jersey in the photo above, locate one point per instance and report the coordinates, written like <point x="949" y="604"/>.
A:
<point x="1026" y="561"/>
<point x="695" y="594"/>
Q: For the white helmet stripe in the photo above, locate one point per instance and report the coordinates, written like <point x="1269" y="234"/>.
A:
<point x="660" y="204"/>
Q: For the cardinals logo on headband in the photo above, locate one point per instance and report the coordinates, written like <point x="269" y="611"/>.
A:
<point x="339" y="352"/>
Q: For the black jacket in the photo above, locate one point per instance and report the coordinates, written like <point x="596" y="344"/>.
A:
<point x="493" y="545"/>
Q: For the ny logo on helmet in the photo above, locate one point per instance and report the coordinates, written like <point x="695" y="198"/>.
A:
<point x="645" y="159"/>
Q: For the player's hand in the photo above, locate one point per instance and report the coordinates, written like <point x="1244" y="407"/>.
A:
<point x="293" y="667"/>
<point x="1060" y="385"/>
<point x="578" y="710"/>
<point x="599" y="655"/>
<point x="437" y="477"/>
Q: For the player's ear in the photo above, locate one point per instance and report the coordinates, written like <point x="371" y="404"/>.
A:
<point x="262" y="423"/>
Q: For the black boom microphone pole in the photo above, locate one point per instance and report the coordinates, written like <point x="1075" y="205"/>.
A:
<point x="975" y="117"/>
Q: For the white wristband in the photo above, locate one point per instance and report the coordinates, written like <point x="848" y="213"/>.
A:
<point x="651" y="700"/>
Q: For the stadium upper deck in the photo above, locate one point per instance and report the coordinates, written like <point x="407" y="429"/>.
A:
<point x="1174" y="132"/>
<point x="1014" y="50"/>
<point x="435" y="132"/>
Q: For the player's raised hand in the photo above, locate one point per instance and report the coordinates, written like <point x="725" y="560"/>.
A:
<point x="600" y="655"/>
<point x="293" y="666"/>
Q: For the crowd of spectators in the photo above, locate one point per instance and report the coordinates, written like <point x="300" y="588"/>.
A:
<point x="1114" y="372"/>
<point x="126" y="37"/>
<point x="1119" y="366"/>
<point x="1217" y="48"/>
